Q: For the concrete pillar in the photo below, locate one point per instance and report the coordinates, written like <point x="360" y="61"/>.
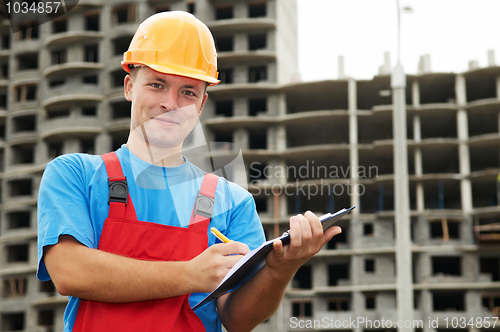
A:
<point x="424" y="65"/>
<point x="499" y="121"/>
<point x="179" y="5"/>
<point x="473" y="303"/>
<point x="142" y="11"/>
<point x="204" y="10"/>
<point x="385" y="69"/>
<point x="240" y="106"/>
<point x="103" y="144"/>
<point x="240" y="74"/>
<point x="463" y="147"/>
<point x="240" y="10"/>
<point x="8" y="157"/>
<point x="358" y="308"/>
<point x="353" y="141"/>
<point x="31" y="315"/>
<point x="41" y="152"/>
<point x="319" y="275"/>
<point x="240" y="42"/>
<point x="341" y="73"/>
<point x="418" y="172"/>
<point x="417" y="138"/>
<point x="491" y="58"/>
<point x="473" y="64"/>
<point x="281" y="103"/>
<point x="401" y="198"/>
<point x="71" y="145"/>
<point x="280" y="144"/>
<point x="59" y="319"/>
<point x="281" y="136"/>
<point x="319" y="272"/>
<point x="425" y="307"/>
<point x="240" y="138"/>
<point x="355" y="268"/>
<point x="470" y="267"/>
<point x="498" y="87"/>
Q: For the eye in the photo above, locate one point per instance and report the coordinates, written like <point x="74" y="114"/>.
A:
<point x="156" y="85"/>
<point x="189" y="93"/>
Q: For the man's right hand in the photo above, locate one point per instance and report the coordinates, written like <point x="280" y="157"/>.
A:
<point x="96" y="275"/>
<point x="210" y="267"/>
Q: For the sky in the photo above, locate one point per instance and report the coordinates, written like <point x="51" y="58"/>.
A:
<point x="453" y="32"/>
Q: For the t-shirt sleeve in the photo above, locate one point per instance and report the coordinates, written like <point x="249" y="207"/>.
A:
<point x="244" y="222"/>
<point x="63" y="207"/>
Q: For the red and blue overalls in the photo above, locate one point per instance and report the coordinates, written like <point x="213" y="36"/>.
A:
<point x="124" y="235"/>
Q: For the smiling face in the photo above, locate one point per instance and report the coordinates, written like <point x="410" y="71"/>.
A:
<point x="165" y="108"/>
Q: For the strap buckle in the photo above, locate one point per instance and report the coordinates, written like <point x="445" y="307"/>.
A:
<point x="118" y="190"/>
<point x="204" y="205"/>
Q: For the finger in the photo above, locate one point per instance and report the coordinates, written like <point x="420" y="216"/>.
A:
<point x="278" y="248"/>
<point x="330" y="233"/>
<point x="231" y="248"/>
<point x="295" y="235"/>
<point x="235" y="247"/>
<point x="305" y="229"/>
<point x="316" y="230"/>
<point x="230" y="261"/>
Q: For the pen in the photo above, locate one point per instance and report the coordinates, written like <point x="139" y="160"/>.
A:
<point x="219" y="235"/>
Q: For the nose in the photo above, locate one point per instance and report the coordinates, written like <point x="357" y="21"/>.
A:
<point x="169" y="101"/>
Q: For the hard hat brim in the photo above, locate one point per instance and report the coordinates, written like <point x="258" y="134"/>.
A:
<point x="174" y="70"/>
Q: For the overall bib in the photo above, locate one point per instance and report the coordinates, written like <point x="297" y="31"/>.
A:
<point x="124" y="235"/>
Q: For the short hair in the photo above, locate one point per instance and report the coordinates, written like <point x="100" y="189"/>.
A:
<point x="133" y="69"/>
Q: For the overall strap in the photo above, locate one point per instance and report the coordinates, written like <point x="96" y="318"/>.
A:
<point x="204" y="204"/>
<point x="120" y="204"/>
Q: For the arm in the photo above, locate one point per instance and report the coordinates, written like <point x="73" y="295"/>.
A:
<point x="100" y="276"/>
<point x="261" y="296"/>
<point x="67" y="247"/>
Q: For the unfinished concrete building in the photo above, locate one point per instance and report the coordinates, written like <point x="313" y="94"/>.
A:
<point x="315" y="145"/>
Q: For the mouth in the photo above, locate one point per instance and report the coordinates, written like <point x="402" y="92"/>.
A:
<point x="164" y="121"/>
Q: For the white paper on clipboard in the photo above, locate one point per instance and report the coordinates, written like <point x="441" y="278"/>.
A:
<point x="256" y="259"/>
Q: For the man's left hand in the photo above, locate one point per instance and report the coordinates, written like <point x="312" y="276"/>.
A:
<point x="306" y="239"/>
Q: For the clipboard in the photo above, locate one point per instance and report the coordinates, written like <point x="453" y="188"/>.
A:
<point x="256" y="259"/>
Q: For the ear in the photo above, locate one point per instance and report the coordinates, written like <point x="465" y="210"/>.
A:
<point x="128" y="85"/>
<point x="205" y="97"/>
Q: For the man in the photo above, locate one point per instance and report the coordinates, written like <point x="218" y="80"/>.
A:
<point x="125" y="235"/>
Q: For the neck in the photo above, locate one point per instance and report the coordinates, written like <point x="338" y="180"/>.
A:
<point x="159" y="156"/>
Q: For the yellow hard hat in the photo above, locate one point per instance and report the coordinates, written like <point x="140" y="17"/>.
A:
<point x="175" y="43"/>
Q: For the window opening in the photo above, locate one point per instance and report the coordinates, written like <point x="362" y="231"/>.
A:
<point x="226" y="76"/>
<point x="224" y="12"/>
<point x="257" y="74"/>
<point x="92" y="22"/>
<point x="224" y="44"/>
<point x="58" y="57"/>
<point x="302" y="308"/>
<point x="257" y="42"/>
<point x="18" y="219"/>
<point x="302" y="278"/>
<point x="368" y="229"/>
<point x="13" y="322"/>
<point x="446" y="265"/>
<point x="257" y="10"/>
<point x="20" y="187"/>
<point x="256" y="106"/>
<point x="14" y="287"/>
<point x="17" y="253"/>
<point x="369" y="265"/>
<point x="224" y="107"/>
<point x="59" y="26"/>
<point x="91" y="53"/>
<point x="27" y="61"/>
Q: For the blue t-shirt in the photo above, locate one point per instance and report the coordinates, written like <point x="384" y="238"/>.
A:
<point x="73" y="200"/>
